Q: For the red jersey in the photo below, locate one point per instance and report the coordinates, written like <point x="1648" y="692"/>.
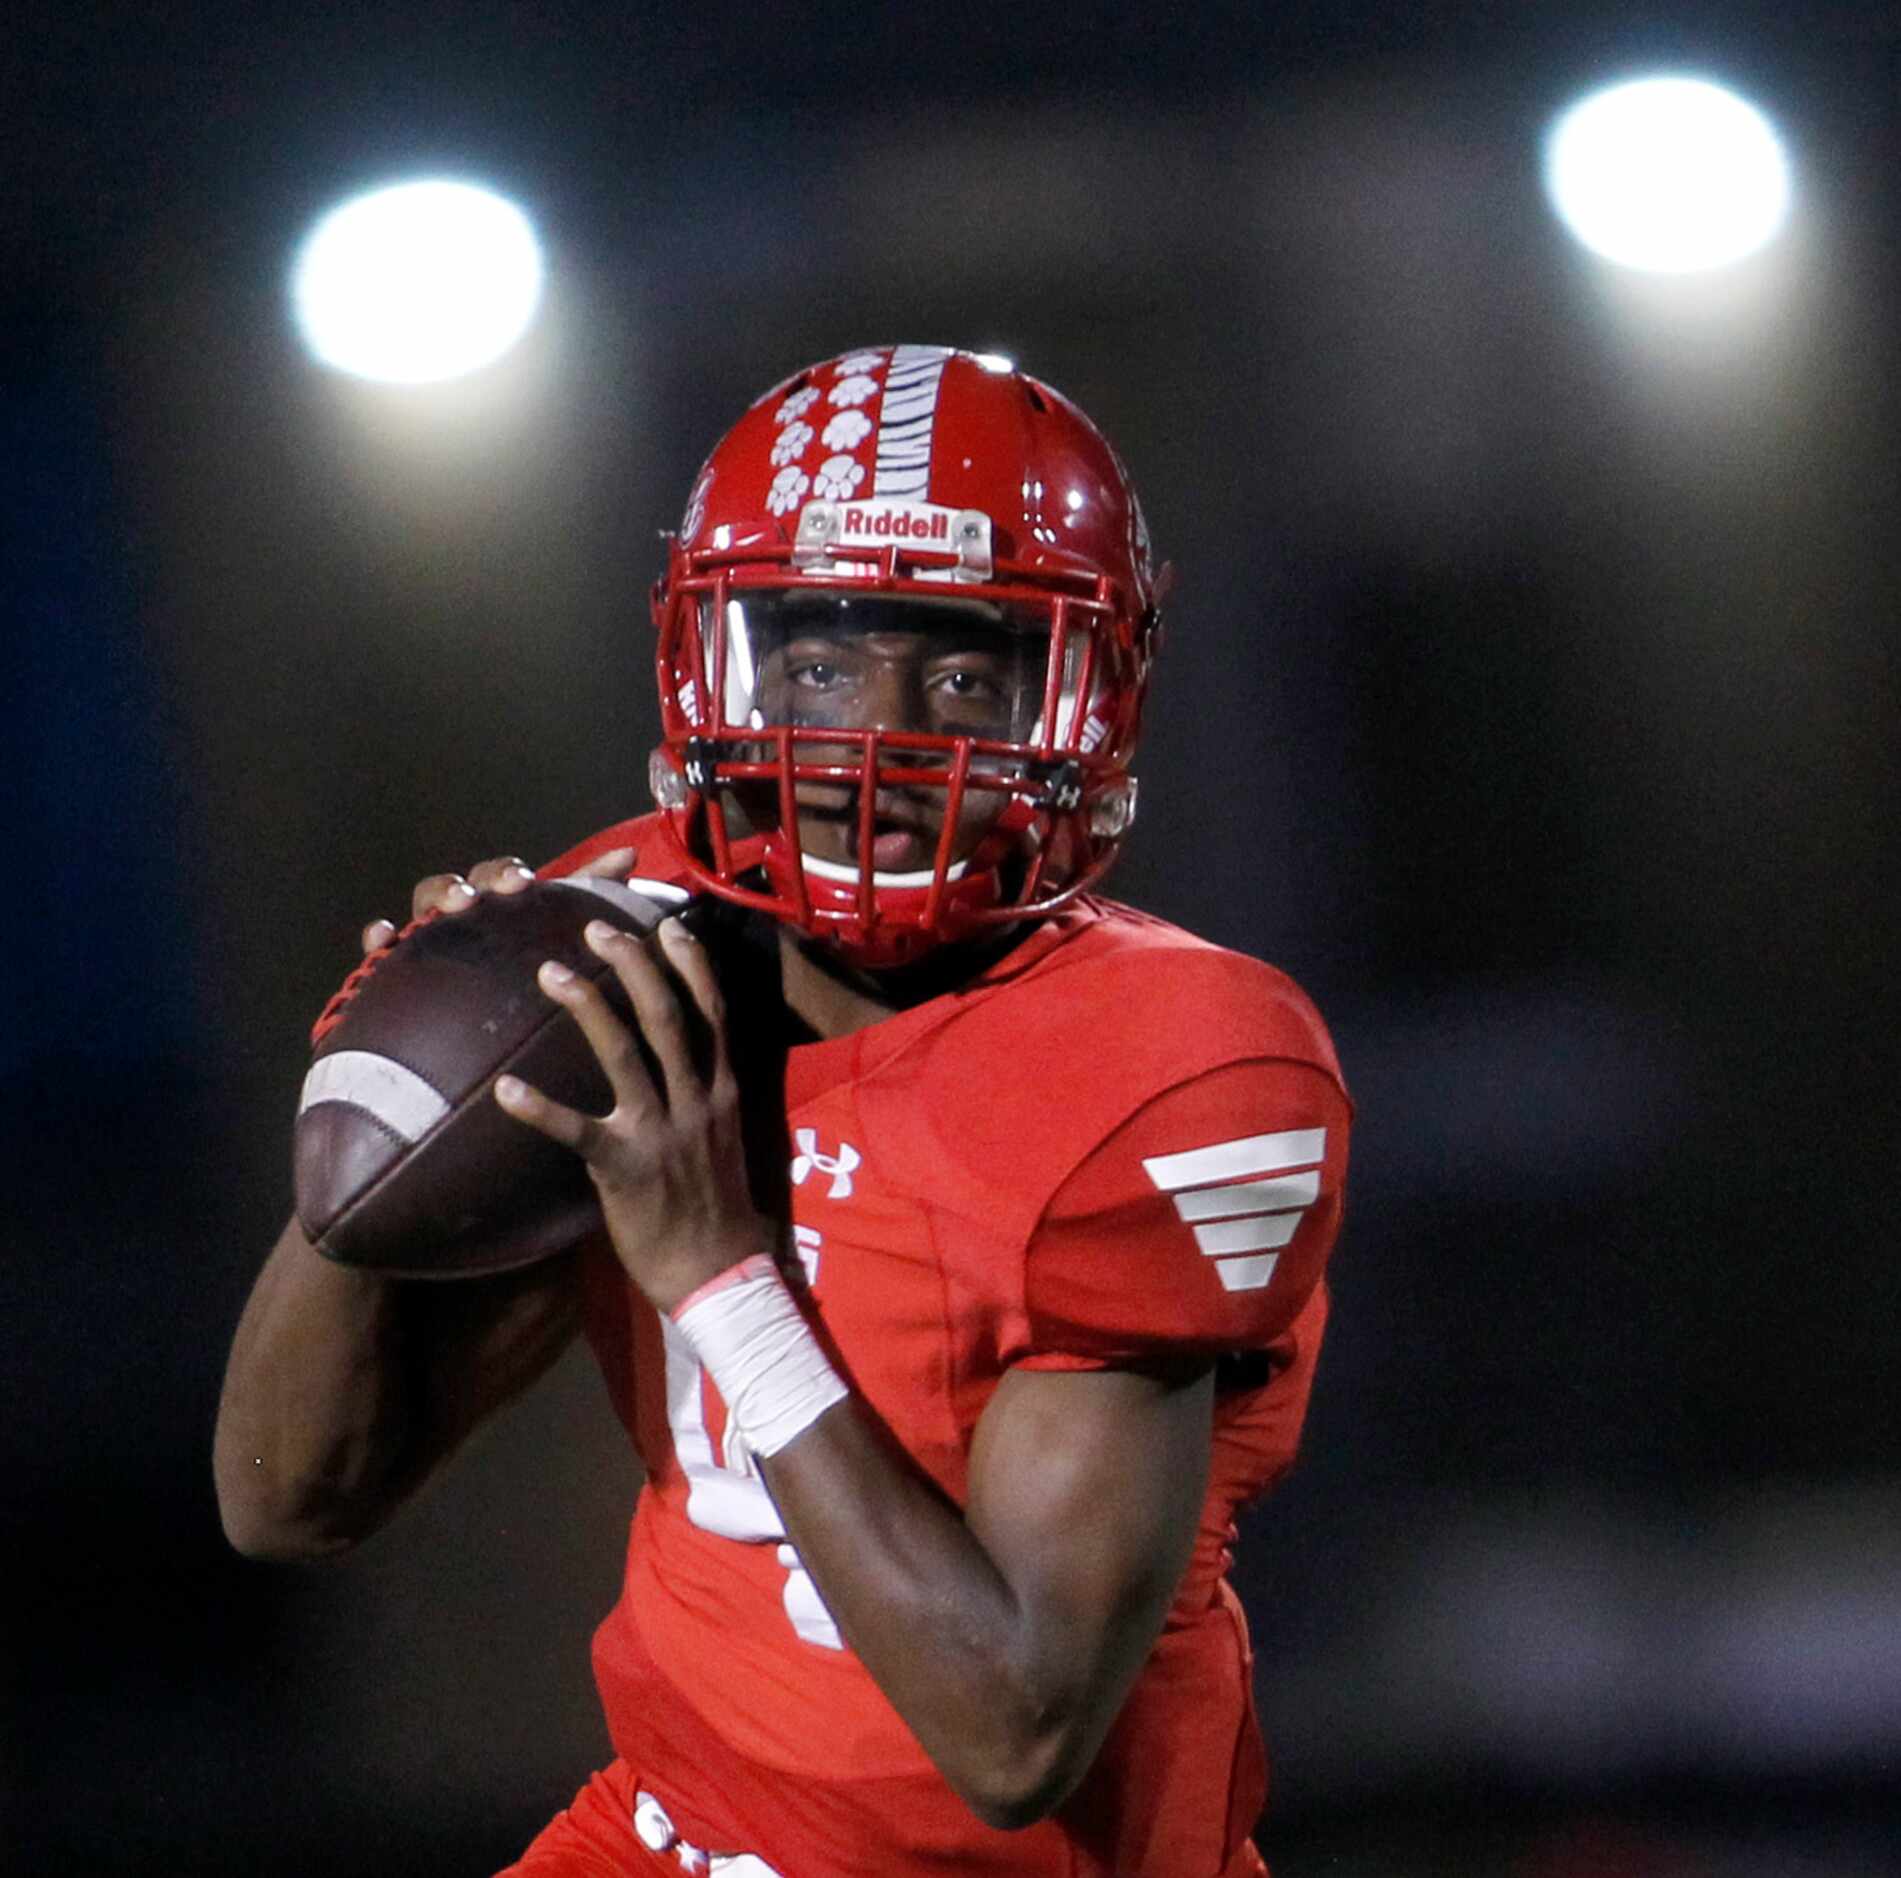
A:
<point x="1116" y="1142"/>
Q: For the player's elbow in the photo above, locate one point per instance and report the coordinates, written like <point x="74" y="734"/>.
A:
<point x="279" y="1542"/>
<point x="1011" y="1806"/>
<point x="1011" y="1798"/>
<point x="276" y="1528"/>
<point x="1022" y="1773"/>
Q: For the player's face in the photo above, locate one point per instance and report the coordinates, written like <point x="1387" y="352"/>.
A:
<point x="935" y="668"/>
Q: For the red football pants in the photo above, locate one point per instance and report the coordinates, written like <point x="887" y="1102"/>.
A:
<point x="594" y="1838"/>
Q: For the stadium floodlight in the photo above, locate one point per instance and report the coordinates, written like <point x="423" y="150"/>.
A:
<point x="1668" y="174"/>
<point x="417" y="282"/>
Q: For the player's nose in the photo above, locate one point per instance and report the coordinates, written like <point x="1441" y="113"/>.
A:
<point x="892" y="697"/>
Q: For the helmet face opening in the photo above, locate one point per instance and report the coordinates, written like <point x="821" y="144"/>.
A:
<point x="817" y="658"/>
<point x="893" y="722"/>
<point x="951" y="689"/>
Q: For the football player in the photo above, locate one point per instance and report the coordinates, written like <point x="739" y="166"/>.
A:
<point x="944" y="1442"/>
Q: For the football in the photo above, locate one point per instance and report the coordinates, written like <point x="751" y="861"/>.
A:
<point x="403" y="1163"/>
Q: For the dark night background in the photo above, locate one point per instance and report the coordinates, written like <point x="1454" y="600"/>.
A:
<point x="1530" y="695"/>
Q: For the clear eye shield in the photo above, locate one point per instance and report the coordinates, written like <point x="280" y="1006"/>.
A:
<point x="813" y="659"/>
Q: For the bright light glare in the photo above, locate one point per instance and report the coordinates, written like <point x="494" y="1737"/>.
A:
<point x="995" y="361"/>
<point x="1671" y="175"/>
<point x="417" y="282"/>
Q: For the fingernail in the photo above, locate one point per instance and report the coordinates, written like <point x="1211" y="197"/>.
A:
<point x="556" y="973"/>
<point x="517" y="871"/>
<point x="510" y="1088"/>
<point x="672" y="933"/>
<point x="600" y="933"/>
<point x="460" y="891"/>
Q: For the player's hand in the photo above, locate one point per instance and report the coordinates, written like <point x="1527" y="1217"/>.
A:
<point x="668" y="1160"/>
<point x="456" y="893"/>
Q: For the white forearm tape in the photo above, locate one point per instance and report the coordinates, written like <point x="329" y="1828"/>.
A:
<point x="747" y="1330"/>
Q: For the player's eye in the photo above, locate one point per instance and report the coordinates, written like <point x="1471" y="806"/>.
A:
<point x="977" y="679"/>
<point x="815" y="675"/>
<point x="970" y="694"/>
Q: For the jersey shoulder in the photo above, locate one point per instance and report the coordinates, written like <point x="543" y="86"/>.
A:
<point x="1114" y="1006"/>
<point x="1272" y="1015"/>
<point x="655" y="856"/>
<point x="1021" y="1076"/>
<point x="1171" y="1117"/>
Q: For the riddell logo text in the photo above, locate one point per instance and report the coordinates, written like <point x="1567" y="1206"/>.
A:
<point x="860" y="523"/>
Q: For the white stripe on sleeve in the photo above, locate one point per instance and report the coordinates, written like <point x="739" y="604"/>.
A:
<point x="1230" y="1160"/>
<point x="1247" y="1274"/>
<point x="1249" y="1196"/>
<point x="1254" y="1234"/>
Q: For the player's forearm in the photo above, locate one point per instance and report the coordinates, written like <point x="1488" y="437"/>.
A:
<point x="999" y="1701"/>
<point x="316" y="1412"/>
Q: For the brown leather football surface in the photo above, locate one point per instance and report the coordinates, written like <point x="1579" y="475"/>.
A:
<point x="402" y="1160"/>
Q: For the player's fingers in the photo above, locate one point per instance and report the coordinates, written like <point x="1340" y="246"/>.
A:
<point x="506" y="873"/>
<point x="615" y="864"/>
<point x="559" y="1123"/>
<point x="690" y="960"/>
<point x="377" y="934"/>
<point x="441" y="893"/>
<point x="656" y="1007"/>
<point x="610" y="1040"/>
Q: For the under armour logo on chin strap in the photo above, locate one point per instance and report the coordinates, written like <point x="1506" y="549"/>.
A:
<point x="809" y="1160"/>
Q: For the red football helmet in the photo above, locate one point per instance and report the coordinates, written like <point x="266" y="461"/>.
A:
<point x="905" y="632"/>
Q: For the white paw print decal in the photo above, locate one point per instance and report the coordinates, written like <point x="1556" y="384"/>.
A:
<point x="854" y="390"/>
<point x="788" y="489"/>
<point x="696" y="507"/>
<point x="796" y="406"/>
<point x="837" y="476"/>
<point x="859" y="362"/>
<point x="792" y="441"/>
<point x="846" y="431"/>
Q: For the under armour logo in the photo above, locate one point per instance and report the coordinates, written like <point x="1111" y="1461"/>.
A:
<point x="809" y="1160"/>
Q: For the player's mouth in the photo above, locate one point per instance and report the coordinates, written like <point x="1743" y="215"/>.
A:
<point x="898" y="846"/>
<point x="904" y="830"/>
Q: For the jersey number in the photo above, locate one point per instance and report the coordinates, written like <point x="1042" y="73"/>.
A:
<point x="730" y="1504"/>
